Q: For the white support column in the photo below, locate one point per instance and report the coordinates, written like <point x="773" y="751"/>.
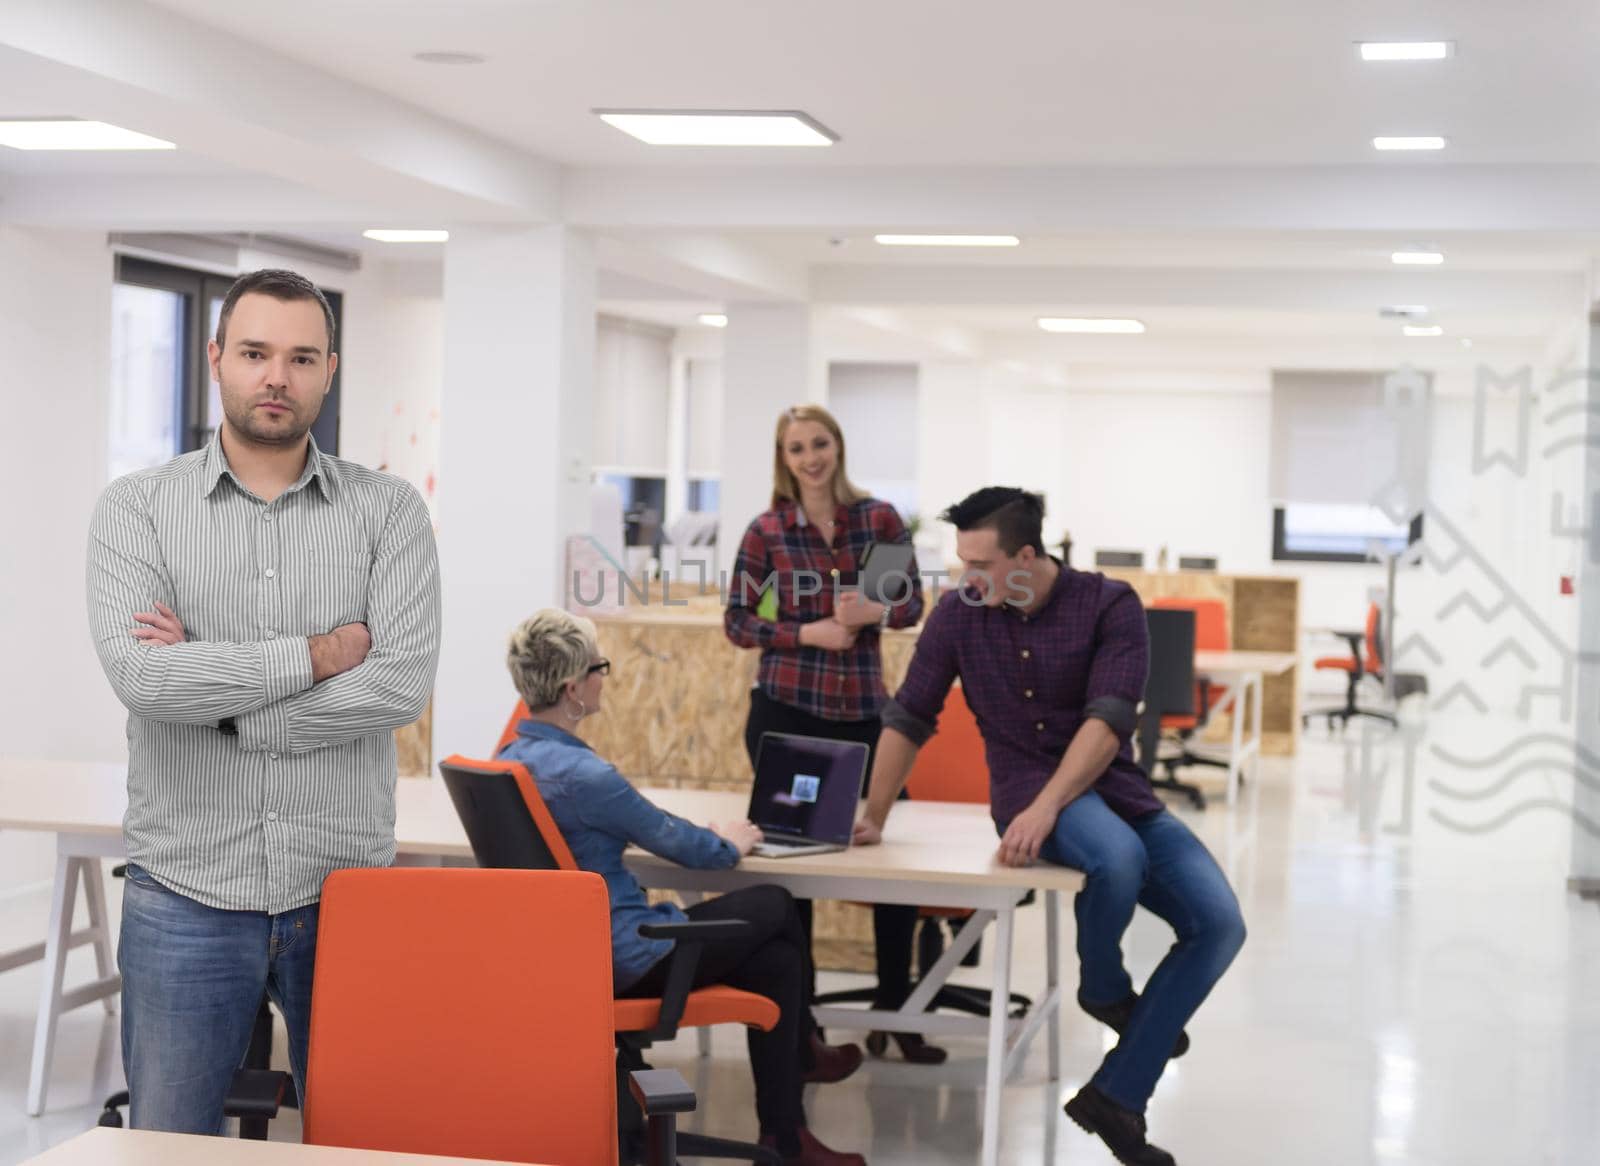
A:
<point x="514" y="451"/>
<point x="768" y="365"/>
<point x="677" y="440"/>
<point x="1585" y="798"/>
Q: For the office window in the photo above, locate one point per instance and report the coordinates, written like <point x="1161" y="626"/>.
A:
<point x="164" y="401"/>
<point x="1338" y="534"/>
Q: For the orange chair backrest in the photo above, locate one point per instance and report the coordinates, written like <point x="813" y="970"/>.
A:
<point x="1210" y="620"/>
<point x="509" y="733"/>
<point x="442" y="1024"/>
<point x="1374" y="639"/>
<point x="952" y="766"/>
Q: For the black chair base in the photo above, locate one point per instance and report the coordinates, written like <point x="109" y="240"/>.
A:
<point x="1193" y="792"/>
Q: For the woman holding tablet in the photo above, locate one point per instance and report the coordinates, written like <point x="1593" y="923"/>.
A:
<point x="821" y="674"/>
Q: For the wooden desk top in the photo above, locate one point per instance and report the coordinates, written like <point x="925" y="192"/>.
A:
<point x="933" y="842"/>
<point x="109" y="1147"/>
<point x="1266" y="663"/>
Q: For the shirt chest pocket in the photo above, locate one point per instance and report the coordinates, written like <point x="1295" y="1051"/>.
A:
<point x="330" y="589"/>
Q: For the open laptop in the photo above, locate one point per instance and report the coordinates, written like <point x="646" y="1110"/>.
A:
<point x="805" y="793"/>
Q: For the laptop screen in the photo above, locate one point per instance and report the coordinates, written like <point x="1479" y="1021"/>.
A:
<point x="807" y="787"/>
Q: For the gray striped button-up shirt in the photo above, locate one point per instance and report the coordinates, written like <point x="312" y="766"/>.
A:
<point x="256" y="821"/>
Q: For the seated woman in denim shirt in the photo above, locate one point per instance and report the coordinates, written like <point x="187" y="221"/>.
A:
<point x="556" y="666"/>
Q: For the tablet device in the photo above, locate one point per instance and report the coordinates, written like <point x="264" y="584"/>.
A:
<point x="886" y="572"/>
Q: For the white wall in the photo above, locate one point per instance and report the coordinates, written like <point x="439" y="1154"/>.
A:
<point x="632" y="387"/>
<point x="876" y="406"/>
<point x="55" y="341"/>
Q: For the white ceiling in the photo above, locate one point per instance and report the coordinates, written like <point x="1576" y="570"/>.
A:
<point x="951" y="83"/>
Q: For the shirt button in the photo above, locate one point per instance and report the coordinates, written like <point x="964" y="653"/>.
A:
<point x="1025" y="652"/>
<point x="272" y="815"/>
<point x="274" y="756"/>
<point x="1039" y="726"/>
<point x="267" y="517"/>
<point x="271" y="574"/>
<point x="1028" y="692"/>
<point x="272" y="634"/>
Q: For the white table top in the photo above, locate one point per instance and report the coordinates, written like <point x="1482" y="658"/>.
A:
<point x="109" y="1147"/>
<point x="1225" y="663"/>
<point x="934" y="842"/>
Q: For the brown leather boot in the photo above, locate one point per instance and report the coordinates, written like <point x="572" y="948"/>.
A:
<point x="814" y="1153"/>
<point x="830" y="1063"/>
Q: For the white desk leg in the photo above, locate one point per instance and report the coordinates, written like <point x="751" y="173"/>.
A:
<point x="999" y="1007"/>
<point x="1256" y="702"/>
<point x="63" y="901"/>
<point x="1052" y="978"/>
<point x="1238" y="739"/>
<point x="105" y="960"/>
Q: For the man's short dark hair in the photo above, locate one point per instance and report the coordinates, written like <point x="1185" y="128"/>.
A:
<point x="278" y="283"/>
<point x="1016" y="516"/>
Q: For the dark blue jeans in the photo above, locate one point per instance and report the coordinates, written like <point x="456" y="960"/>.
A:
<point x="192" y="981"/>
<point x="1155" y="861"/>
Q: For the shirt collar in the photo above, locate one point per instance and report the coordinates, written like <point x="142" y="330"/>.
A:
<point x="548" y="732"/>
<point x="320" y="469"/>
<point x="794" y="514"/>
<point x="1056" y="591"/>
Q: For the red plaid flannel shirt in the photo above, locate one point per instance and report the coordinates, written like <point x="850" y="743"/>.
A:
<point x="780" y="546"/>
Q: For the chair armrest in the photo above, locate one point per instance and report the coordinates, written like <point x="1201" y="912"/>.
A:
<point x="662" y="1094"/>
<point x="255" y="1093"/>
<point x="1354" y="641"/>
<point x="698" y="930"/>
<point x="1202" y="684"/>
<point x="659" y="1091"/>
<point x="690" y="936"/>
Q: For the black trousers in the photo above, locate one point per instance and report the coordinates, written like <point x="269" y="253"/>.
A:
<point x="893" y="925"/>
<point x="774" y="962"/>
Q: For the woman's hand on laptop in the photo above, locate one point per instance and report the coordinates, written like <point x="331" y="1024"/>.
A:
<point x="742" y="835"/>
<point x="867" y="832"/>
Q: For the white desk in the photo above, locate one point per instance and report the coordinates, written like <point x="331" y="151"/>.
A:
<point x="1240" y="675"/>
<point x="107" y="1147"/>
<point x="937" y="854"/>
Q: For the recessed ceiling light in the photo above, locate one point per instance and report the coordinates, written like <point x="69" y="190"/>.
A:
<point x="1417" y="258"/>
<point x="947" y="240"/>
<point x="447" y="57"/>
<point x="713" y="319"/>
<point x="1422" y="330"/>
<point x="1406" y="50"/>
<point x="70" y="133"/>
<point x="407" y="236"/>
<point x="1081" y="324"/>
<point x="697" y="127"/>
<point x="1418" y="143"/>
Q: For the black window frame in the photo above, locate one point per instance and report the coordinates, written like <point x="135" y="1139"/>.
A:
<point x="198" y="288"/>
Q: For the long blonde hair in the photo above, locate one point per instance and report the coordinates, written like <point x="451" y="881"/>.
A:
<point x="784" y="486"/>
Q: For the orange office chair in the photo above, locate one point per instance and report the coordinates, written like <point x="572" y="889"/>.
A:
<point x="516" y="1047"/>
<point x="1210" y="634"/>
<point x="950" y="767"/>
<point x="1355" y="666"/>
<point x="509" y="826"/>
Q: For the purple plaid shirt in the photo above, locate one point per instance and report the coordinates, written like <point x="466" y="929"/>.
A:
<point x="1032" y="680"/>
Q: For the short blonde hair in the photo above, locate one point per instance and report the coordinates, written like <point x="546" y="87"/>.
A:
<point x="784" y="487"/>
<point x="547" y="651"/>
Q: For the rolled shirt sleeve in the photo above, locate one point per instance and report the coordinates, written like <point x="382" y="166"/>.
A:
<point x="1121" y="662"/>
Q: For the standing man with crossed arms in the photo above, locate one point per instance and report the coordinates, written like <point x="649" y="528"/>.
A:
<point x="269" y="615"/>
<point x="1052" y="662"/>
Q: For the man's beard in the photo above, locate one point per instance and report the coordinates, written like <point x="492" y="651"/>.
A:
<point x="255" y="426"/>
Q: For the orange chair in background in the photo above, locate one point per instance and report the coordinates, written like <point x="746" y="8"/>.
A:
<point x="1210" y="635"/>
<point x="509" y="826"/>
<point x="1355" y="666"/>
<point x="440" y="1024"/>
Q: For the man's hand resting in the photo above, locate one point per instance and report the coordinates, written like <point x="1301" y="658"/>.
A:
<point x="866" y="832"/>
<point x="339" y="651"/>
<point x="164" y="627"/>
<point x="1020" y="844"/>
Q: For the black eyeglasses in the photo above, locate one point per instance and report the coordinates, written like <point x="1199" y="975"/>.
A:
<point x="602" y="666"/>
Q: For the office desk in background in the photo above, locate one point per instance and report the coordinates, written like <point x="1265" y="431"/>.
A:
<point x="1242" y="675"/>
<point x="107" y="1147"/>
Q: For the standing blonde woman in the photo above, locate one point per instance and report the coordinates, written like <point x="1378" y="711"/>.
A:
<point x="821" y="672"/>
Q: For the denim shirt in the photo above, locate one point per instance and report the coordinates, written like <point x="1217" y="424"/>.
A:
<point x="599" y="814"/>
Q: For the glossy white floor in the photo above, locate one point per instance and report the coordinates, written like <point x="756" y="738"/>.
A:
<point x="1418" y="987"/>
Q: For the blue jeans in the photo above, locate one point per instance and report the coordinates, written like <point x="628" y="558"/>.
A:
<point x="1154" y="860"/>
<point x="192" y="981"/>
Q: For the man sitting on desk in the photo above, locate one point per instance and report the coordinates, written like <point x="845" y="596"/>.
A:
<point x="1053" y="663"/>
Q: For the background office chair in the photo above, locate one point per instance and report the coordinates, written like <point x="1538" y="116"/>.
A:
<point x="1355" y="666"/>
<point x="1210" y="634"/>
<point x="1169" y="690"/>
<point x="509" y="826"/>
<point x="494" y="988"/>
<point x="950" y="767"/>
